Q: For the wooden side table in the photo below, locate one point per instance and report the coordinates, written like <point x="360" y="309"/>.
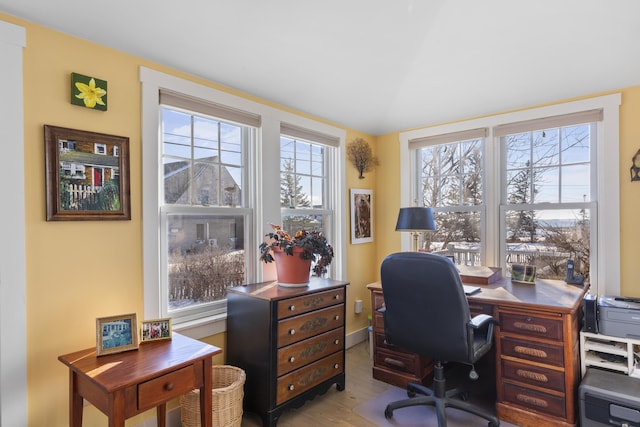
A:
<point x="125" y="384"/>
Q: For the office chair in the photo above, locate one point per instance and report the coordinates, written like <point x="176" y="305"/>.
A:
<point x="426" y="312"/>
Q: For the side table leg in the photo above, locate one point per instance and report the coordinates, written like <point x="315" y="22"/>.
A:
<point x="161" y="415"/>
<point x="206" y="399"/>
<point x="75" y="401"/>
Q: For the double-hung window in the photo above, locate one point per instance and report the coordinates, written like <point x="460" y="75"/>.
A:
<point x="205" y="213"/>
<point x="306" y="187"/>
<point x="548" y="192"/>
<point x="537" y="187"/>
<point x="449" y="179"/>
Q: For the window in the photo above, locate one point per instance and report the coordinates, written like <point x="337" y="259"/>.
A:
<point x="204" y="174"/>
<point x="100" y="149"/>
<point x="211" y="186"/>
<point x="540" y="196"/>
<point x="547" y="197"/>
<point x="450" y="181"/>
<point x="305" y="166"/>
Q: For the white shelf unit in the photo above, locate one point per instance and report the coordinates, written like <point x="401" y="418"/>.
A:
<point x="591" y="344"/>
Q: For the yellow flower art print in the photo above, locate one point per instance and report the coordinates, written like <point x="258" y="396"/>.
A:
<point x="88" y="92"/>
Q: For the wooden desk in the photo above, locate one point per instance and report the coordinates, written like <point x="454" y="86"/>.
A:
<point x="536" y="350"/>
<point x="125" y="384"/>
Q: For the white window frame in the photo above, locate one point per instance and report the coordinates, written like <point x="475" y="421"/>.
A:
<point x="265" y="185"/>
<point x="605" y="277"/>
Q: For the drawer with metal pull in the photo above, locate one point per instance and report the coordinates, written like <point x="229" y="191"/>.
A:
<point x="304" y="352"/>
<point x="303" y="304"/>
<point x="533" y="351"/>
<point x="531" y="326"/>
<point x="301" y="327"/>
<point x="303" y="379"/>
<point x="159" y="390"/>
<point x="533" y="375"/>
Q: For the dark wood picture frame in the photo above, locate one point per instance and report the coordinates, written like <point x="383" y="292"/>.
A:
<point x="86" y="175"/>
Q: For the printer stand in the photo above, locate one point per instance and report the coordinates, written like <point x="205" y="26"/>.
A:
<point x="612" y="353"/>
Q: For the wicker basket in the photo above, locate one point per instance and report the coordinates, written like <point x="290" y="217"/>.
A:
<point x="228" y="391"/>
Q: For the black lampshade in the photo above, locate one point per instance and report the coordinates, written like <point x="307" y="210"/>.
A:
<point x="415" y="219"/>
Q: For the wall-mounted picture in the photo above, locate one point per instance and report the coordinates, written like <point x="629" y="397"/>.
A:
<point x="115" y="334"/>
<point x="156" y="329"/>
<point x="361" y="215"/>
<point x="86" y="175"/>
<point x="89" y="92"/>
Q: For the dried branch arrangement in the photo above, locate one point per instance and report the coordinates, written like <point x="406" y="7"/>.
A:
<point x="360" y="154"/>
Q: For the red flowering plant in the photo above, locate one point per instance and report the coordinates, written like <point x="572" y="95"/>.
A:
<point x="313" y="243"/>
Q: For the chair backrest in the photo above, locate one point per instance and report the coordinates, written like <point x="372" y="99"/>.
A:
<point x="426" y="309"/>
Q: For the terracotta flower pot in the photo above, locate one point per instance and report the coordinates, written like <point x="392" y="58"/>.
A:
<point x="292" y="270"/>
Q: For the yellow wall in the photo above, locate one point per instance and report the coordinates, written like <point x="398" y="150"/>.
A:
<point x="388" y="148"/>
<point x="77" y="271"/>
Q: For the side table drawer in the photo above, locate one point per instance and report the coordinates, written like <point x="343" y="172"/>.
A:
<point x="306" y="303"/>
<point x="534" y="400"/>
<point x="298" y="328"/>
<point x="303" y="379"/>
<point x="534" y="326"/>
<point x="533" y="351"/>
<point x="171" y="385"/>
<point x="307" y="351"/>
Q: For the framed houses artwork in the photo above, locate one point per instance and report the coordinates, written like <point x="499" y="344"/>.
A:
<point x="86" y="175"/>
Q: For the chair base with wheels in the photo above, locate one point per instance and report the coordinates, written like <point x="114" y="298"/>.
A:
<point x="440" y="398"/>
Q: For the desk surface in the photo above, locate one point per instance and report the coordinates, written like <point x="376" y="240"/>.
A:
<point x="545" y="295"/>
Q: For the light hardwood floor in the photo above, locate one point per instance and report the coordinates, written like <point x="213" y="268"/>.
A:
<point x="335" y="408"/>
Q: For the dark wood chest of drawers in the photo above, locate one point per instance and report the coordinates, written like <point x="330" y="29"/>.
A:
<point x="289" y="341"/>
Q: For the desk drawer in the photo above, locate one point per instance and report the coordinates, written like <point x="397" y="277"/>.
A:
<point x="291" y="385"/>
<point x="398" y="361"/>
<point x="533" y="351"/>
<point x="298" y="328"/>
<point x="533" y="375"/>
<point x="307" y="303"/>
<point x="171" y="385"/>
<point x="531" y="326"/>
<point x="304" y="352"/>
<point x="534" y="400"/>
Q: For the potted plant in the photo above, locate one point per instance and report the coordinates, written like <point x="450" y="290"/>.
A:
<point x="293" y="255"/>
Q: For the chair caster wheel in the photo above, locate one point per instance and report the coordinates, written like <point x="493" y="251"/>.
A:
<point x="388" y="413"/>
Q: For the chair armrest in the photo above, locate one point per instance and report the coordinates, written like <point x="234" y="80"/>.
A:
<point x="481" y="320"/>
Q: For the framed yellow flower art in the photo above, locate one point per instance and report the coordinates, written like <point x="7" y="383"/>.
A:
<point x="88" y="92"/>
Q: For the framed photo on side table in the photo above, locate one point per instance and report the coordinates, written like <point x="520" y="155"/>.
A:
<point x="156" y="329"/>
<point x="361" y="216"/>
<point x="115" y="334"/>
<point x="86" y="175"/>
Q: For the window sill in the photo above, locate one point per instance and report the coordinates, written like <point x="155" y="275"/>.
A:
<point x="204" y="327"/>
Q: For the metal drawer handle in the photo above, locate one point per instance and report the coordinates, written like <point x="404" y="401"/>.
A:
<point x="292" y="331"/>
<point x="535" y="376"/>
<point x="336" y="342"/>
<point x="336" y="296"/>
<point x="292" y="359"/>
<point x="529" y="327"/>
<point x="532" y="401"/>
<point x="290" y="387"/>
<point x="292" y="307"/>
<point x="336" y="317"/>
<point x="336" y="366"/>
<point x="168" y="387"/>
<point x="530" y="351"/>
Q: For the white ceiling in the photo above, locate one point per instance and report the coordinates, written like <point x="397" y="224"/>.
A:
<point x="373" y="65"/>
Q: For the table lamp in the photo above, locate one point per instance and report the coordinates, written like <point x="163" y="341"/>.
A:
<point x="415" y="220"/>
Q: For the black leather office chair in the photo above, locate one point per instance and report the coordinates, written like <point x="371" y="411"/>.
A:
<point x="426" y="312"/>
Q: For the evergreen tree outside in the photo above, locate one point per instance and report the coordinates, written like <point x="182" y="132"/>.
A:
<point x="291" y="191"/>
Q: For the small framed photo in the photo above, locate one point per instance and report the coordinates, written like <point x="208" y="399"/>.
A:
<point x="361" y="216"/>
<point x="86" y="175"/>
<point x="522" y="273"/>
<point x="115" y="334"/>
<point x="156" y="329"/>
